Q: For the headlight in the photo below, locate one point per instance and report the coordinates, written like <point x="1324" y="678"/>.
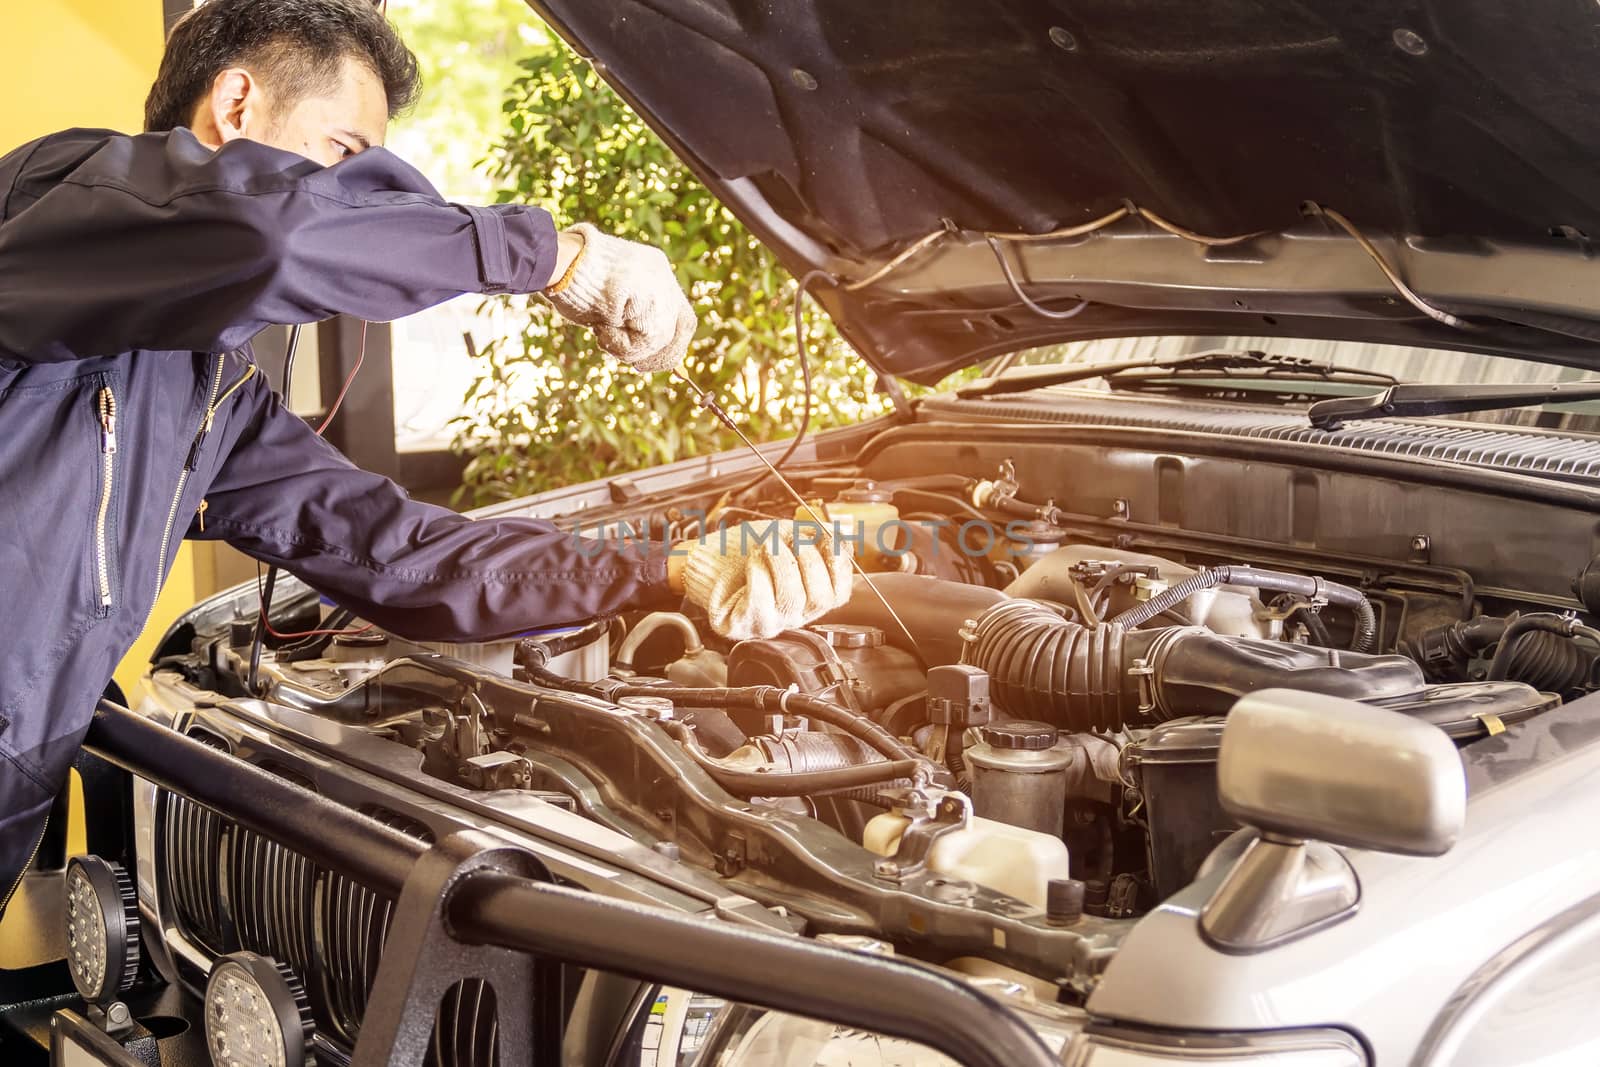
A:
<point x="760" y="1039"/>
<point x="1126" y="1048"/>
<point x="736" y="1035"/>
<point x="256" y="1013"/>
<point x="102" y="916"/>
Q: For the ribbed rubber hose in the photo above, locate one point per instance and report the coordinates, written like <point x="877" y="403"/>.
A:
<point x="1345" y="596"/>
<point x="1550" y="663"/>
<point x="1511" y="654"/>
<point x="1042" y="666"/>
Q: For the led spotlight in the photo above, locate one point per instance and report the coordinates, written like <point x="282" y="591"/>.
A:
<point x="102" y="915"/>
<point x="256" y="1013"/>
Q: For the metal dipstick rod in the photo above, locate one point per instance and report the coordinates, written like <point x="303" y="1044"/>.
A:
<point x="709" y="402"/>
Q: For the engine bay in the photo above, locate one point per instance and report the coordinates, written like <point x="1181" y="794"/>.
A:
<point x="999" y="753"/>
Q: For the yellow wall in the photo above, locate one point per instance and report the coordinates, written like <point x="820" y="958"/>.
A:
<point x="76" y="63"/>
<point x="89" y="63"/>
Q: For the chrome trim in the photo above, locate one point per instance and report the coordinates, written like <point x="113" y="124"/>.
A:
<point x="1173" y="1046"/>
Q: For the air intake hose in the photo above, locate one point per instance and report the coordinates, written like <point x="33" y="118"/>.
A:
<point x="1366" y="628"/>
<point x="1549" y="661"/>
<point x="1043" y="667"/>
<point x="1539" y="656"/>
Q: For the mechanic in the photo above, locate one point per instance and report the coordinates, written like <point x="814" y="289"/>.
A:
<point x="133" y="272"/>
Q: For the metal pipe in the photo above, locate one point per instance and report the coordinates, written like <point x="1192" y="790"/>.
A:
<point x="531" y="657"/>
<point x="898" y="998"/>
<point x="1366" y="625"/>
<point x="327" y="833"/>
<point x="756" y="783"/>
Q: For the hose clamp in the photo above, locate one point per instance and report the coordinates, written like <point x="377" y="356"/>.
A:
<point x="1143" y="674"/>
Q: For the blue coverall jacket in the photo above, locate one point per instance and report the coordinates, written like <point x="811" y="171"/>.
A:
<point x="133" y="272"/>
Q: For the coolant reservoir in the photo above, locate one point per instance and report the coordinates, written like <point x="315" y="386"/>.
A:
<point x="1008" y="859"/>
<point x="863" y="513"/>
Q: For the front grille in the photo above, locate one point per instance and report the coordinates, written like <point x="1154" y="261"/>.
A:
<point x="352" y="923"/>
<point x="193" y="844"/>
<point x="231" y="888"/>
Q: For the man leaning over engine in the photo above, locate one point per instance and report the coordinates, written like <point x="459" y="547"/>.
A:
<point x="133" y="273"/>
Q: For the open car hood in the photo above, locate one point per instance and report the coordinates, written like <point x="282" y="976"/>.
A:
<point x="1464" y="139"/>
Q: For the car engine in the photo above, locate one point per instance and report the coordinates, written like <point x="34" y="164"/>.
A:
<point x="998" y="752"/>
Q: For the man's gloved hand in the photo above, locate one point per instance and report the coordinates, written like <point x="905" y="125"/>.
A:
<point x="763" y="578"/>
<point x="627" y="294"/>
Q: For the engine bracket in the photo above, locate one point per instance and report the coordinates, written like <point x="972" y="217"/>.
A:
<point x="932" y="816"/>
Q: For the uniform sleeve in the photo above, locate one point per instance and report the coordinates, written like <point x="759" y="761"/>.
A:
<point x="285" y="496"/>
<point x="111" y="243"/>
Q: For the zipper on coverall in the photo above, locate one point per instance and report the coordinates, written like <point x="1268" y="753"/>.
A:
<point x="213" y="402"/>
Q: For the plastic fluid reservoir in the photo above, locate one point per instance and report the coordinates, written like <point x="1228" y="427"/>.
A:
<point x="863" y="514"/>
<point x="587" y="663"/>
<point x="1009" y="859"/>
<point x="1019" y="776"/>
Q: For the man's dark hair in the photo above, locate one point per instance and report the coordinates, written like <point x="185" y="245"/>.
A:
<point x="293" y="46"/>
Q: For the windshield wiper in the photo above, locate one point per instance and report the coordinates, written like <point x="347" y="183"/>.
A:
<point x="1399" y="401"/>
<point x="1264" y="363"/>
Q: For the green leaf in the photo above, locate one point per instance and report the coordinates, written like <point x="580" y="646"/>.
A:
<point x="570" y="144"/>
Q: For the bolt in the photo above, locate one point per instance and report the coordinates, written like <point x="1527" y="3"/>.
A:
<point x="1410" y="42"/>
<point x="117" y="1014"/>
<point x="1421" y="543"/>
<point x="887" y="868"/>
<point x="1119" y="507"/>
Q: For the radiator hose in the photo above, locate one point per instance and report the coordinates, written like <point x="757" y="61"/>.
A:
<point x="1366" y="628"/>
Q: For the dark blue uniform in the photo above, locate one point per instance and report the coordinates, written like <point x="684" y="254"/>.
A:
<point x="133" y="272"/>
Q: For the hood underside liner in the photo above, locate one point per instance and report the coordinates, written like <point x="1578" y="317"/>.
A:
<point x="841" y="131"/>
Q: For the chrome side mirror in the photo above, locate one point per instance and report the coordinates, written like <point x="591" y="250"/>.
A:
<point x="1311" y="771"/>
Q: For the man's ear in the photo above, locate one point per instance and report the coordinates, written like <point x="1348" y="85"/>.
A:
<point x="235" y="107"/>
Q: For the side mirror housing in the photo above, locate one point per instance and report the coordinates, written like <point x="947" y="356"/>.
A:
<point x="1312" y="771"/>
<point x="1303" y="765"/>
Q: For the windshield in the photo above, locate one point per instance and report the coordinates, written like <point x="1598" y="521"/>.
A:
<point x="1430" y="365"/>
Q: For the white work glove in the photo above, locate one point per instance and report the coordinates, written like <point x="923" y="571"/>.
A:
<point x="627" y="294"/>
<point x="751" y="589"/>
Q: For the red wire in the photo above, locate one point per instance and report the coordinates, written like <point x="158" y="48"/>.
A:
<point x="361" y="355"/>
<point x="319" y="633"/>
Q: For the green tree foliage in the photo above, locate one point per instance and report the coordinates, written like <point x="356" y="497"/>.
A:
<point x="547" y="408"/>
<point x="467" y="52"/>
